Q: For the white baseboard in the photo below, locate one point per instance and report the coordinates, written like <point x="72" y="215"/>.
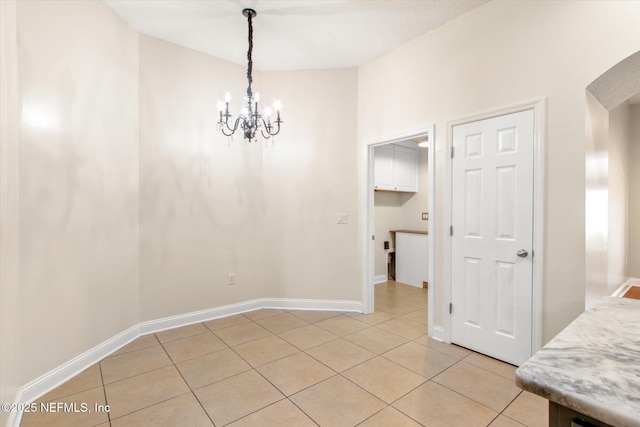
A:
<point x="626" y="286"/>
<point x="438" y="333"/>
<point x="381" y="278"/>
<point x="54" y="378"/>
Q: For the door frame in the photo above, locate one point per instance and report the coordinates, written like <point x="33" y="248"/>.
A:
<point x="368" y="232"/>
<point x="539" y="179"/>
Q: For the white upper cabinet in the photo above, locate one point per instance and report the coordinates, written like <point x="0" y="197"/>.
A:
<point x="396" y="167"/>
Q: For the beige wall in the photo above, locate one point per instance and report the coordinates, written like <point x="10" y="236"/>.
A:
<point x="619" y="139"/>
<point x="633" y="263"/>
<point x="10" y="380"/>
<point x="470" y="65"/>
<point x="78" y="80"/>
<point x="309" y="175"/>
<point x="200" y="196"/>
<point x="265" y="212"/>
<point x="596" y="200"/>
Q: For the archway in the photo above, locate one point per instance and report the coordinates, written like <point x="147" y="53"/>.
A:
<point x="612" y="148"/>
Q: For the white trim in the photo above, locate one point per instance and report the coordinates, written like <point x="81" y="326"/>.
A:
<point x="380" y="278"/>
<point x="626" y="286"/>
<point x="539" y="170"/>
<point x="431" y="228"/>
<point x="367" y="208"/>
<point x="438" y="333"/>
<point x="57" y="376"/>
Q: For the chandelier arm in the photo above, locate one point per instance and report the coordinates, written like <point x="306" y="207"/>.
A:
<point x="268" y="128"/>
<point x="231" y="129"/>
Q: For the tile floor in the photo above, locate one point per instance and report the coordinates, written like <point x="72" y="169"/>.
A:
<point x="299" y="368"/>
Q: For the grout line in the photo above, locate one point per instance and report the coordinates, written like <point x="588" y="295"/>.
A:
<point x="104" y="391"/>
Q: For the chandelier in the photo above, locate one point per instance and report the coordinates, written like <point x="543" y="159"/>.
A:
<point x="252" y="118"/>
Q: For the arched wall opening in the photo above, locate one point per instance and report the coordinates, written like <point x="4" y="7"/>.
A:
<point x="612" y="180"/>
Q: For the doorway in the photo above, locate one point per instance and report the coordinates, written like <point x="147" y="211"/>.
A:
<point x="375" y="242"/>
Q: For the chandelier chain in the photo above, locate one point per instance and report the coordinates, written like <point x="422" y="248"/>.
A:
<point x="249" y="58"/>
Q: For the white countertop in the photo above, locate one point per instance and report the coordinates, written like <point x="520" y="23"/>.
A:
<point x="593" y="365"/>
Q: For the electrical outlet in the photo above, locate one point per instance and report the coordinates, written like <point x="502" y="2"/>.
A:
<point x="232" y="279"/>
<point x="425" y="216"/>
<point x="342" y="218"/>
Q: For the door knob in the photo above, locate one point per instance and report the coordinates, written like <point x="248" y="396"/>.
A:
<point x="522" y="253"/>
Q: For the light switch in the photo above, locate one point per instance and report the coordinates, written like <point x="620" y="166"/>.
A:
<point x="342" y="218"/>
<point x="425" y="216"/>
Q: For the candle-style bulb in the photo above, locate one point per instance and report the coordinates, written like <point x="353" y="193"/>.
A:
<point x="227" y="97"/>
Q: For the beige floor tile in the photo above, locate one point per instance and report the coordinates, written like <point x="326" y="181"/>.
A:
<point x="225" y="322"/>
<point x="264" y="313"/>
<point x="503" y="421"/>
<point x="207" y="369"/>
<point x="240" y="334"/>
<point x="436" y="406"/>
<point x="396" y="309"/>
<point x="529" y="409"/>
<point x="136" y="362"/>
<point x="487" y="388"/>
<point x="183" y="332"/>
<point x="315" y="316"/>
<point x="193" y="346"/>
<point x="265" y="350"/>
<point x="376" y="340"/>
<point x="140" y="343"/>
<point x="236" y="397"/>
<point x="308" y="336"/>
<point x="340" y="354"/>
<point x="337" y="402"/>
<point x="420" y="359"/>
<point x="80" y="411"/>
<point x="384" y="379"/>
<point x="280" y="414"/>
<point x="450" y="349"/>
<point x="141" y="391"/>
<point x="373" y="318"/>
<point x="294" y="373"/>
<point x="343" y="325"/>
<point x="184" y="410"/>
<point x="388" y="417"/>
<point x="86" y="380"/>
<point x="403" y="327"/>
<point x="418" y="316"/>
<point x="497" y="367"/>
<point x="281" y="323"/>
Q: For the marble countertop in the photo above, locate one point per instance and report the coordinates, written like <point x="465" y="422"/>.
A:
<point x="593" y="365"/>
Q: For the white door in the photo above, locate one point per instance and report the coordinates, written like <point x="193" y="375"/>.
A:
<point x="492" y="219"/>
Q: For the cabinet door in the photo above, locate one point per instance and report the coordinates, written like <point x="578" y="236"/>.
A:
<point x="412" y="258"/>
<point x="405" y="168"/>
<point x="383" y="167"/>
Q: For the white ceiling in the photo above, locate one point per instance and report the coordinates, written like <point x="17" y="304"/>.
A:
<point x="291" y="34"/>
